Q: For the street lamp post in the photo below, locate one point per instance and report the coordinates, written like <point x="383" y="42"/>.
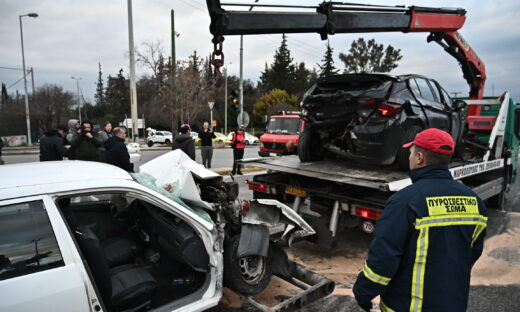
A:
<point x="27" y="116"/>
<point x="79" y="101"/>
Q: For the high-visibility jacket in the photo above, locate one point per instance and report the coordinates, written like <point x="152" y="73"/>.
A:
<point x="427" y="239"/>
<point x="238" y="139"/>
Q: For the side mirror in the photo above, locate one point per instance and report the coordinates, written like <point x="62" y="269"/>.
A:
<point x="459" y="105"/>
<point x="517" y="123"/>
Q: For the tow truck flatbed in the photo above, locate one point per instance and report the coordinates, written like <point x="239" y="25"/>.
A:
<point x="383" y="178"/>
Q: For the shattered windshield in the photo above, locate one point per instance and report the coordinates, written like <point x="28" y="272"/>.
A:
<point x="172" y="191"/>
<point x="284" y="126"/>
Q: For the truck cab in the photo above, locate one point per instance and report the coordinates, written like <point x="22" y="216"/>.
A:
<point x="281" y="128"/>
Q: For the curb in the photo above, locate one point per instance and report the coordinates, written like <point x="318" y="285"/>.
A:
<point x="227" y="170"/>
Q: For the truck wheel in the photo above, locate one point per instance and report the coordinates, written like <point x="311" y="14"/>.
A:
<point x="246" y="275"/>
<point x="150" y="143"/>
<point x="167" y="141"/>
<point x="403" y="153"/>
<point x="309" y="146"/>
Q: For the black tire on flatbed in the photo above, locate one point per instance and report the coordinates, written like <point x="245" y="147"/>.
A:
<point x="309" y="146"/>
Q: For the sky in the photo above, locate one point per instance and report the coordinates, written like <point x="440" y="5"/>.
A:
<point x="70" y="37"/>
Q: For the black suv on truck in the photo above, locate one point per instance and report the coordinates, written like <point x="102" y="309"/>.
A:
<point x="368" y="117"/>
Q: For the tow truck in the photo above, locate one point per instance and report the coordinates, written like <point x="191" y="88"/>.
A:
<point x="331" y="194"/>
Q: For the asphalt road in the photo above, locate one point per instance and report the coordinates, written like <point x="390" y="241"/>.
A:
<point x="222" y="157"/>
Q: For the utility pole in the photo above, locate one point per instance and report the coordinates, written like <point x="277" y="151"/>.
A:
<point x="79" y="100"/>
<point x="27" y="116"/>
<point x="241" y="82"/>
<point x="173" y="73"/>
<point x="225" y="100"/>
<point x="32" y="80"/>
<point x="133" y="88"/>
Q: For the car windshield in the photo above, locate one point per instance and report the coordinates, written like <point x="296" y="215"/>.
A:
<point x="355" y="84"/>
<point x="284" y="125"/>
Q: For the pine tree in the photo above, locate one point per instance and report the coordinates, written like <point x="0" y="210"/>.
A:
<point x="370" y="57"/>
<point x="100" y="96"/>
<point x="281" y="74"/>
<point x="327" y="67"/>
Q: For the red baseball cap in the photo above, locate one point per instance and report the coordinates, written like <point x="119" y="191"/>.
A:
<point x="434" y="140"/>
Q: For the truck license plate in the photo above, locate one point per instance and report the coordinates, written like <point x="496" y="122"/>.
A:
<point x="295" y="191"/>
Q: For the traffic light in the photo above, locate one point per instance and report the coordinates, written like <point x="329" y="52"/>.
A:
<point x="235" y="99"/>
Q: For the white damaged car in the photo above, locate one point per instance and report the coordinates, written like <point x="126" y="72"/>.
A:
<point x="87" y="236"/>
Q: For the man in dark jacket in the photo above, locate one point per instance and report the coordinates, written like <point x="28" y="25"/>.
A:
<point x="185" y="142"/>
<point x="428" y="238"/>
<point x="85" y="143"/>
<point x="52" y="145"/>
<point x="206" y="137"/>
<point x="116" y="152"/>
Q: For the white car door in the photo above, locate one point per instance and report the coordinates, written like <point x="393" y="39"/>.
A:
<point x="40" y="268"/>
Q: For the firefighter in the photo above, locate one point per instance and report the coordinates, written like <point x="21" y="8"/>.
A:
<point x="428" y="238"/>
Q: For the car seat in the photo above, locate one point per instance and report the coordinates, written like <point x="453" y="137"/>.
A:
<point x="122" y="287"/>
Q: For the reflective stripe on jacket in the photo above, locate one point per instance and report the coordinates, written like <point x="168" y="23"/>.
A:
<point x="429" y="236"/>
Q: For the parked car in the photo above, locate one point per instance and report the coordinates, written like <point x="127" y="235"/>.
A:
<point x="221" y="137"/>
<point x="249" y="138"/>
<point x="281" y="129"/>
<point x="163" y="137"/>
<point x="195" y="136"/>
<point x="368" y="117"/>
<point x="88" y="236"/>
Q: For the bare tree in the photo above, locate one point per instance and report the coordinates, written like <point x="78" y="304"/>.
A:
<point x="194" y="90"/>
<point x="151" y="56"/>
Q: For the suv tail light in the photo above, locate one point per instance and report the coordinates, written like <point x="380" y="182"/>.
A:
<point x="259" y="187"/>
<point x="388" y="110"/>
<point x="367" y="213"/>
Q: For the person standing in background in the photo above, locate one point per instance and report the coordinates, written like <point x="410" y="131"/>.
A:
<point x="116" y="152"/>
<point x="104" y="135"/>
<point x="184" y="141"/>
<point x="85" y="143"/>
<point x="52" y="145"/>
<point x="206" y="144"/>
<point x="106" y="132"/>
<point x="238" y="144"/>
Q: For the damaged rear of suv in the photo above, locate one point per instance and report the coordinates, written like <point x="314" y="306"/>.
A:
<point x="367" y="117"/>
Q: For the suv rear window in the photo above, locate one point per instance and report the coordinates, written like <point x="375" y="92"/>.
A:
<point x="353" y="83"/>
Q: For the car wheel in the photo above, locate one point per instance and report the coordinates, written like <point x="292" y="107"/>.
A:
<point x="246" y="275"/>
<point x="150" y="143"/>
<point x="403" y="153"/>
<point x="309" y="146"/>
<point x="167" y="141"/>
